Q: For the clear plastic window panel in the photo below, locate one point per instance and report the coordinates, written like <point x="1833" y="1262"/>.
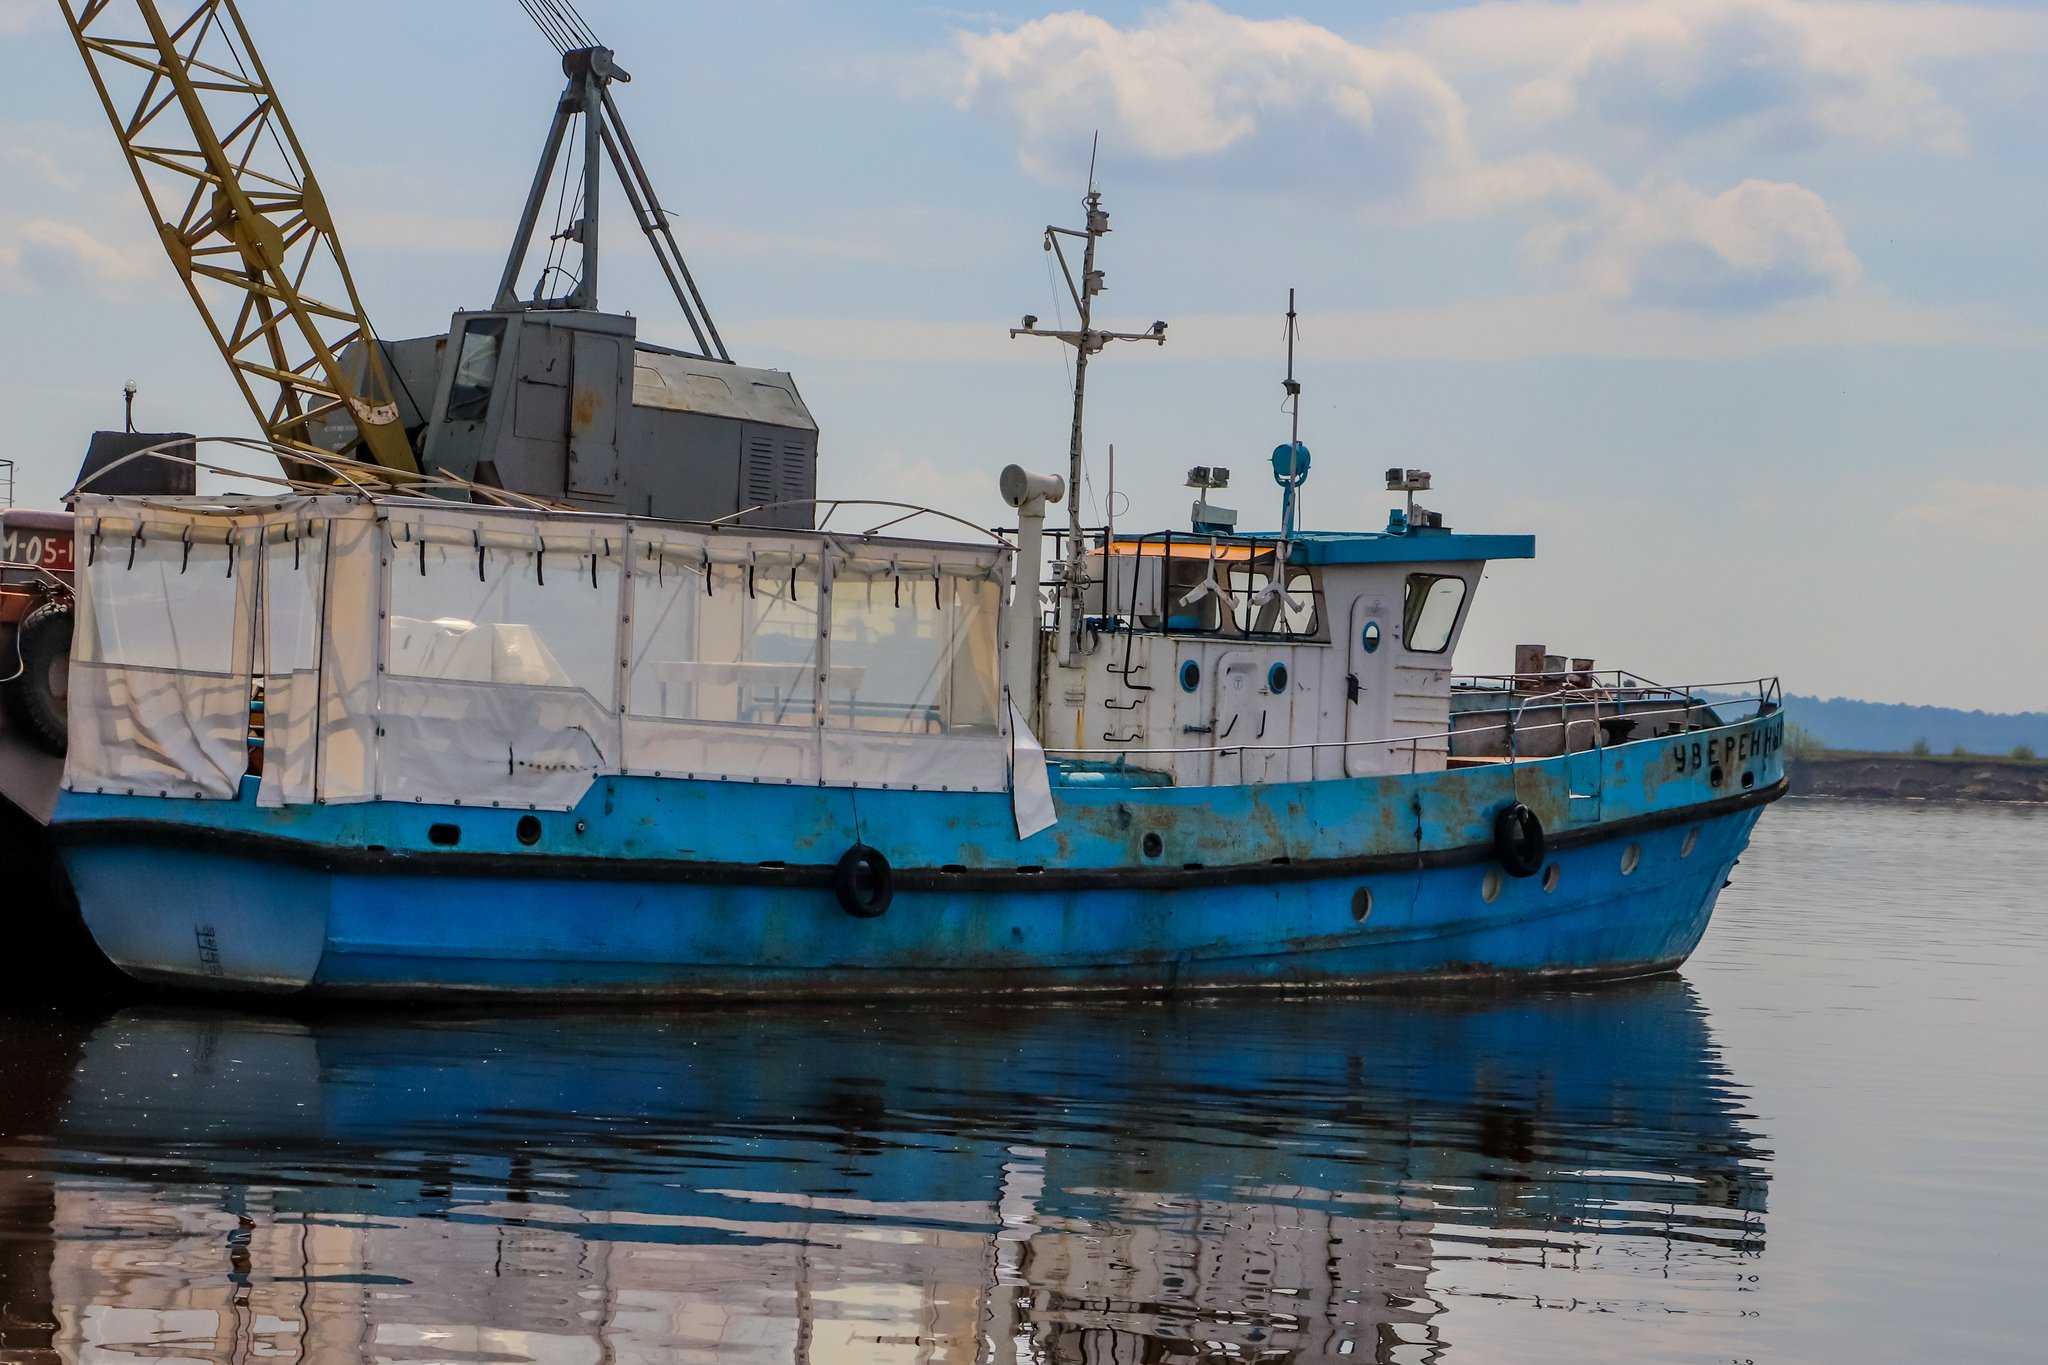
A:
<point x="914" y="653"/>
<point x="158" y="602"/>
<point x="505" y="616"/>
<point x="734" y="643"/>
<point x="291" y="605"/>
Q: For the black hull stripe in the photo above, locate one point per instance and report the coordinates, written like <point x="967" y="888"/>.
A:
<point x="561" y="867"/>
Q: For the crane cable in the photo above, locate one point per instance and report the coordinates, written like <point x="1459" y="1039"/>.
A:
<point x="560" y="24"/>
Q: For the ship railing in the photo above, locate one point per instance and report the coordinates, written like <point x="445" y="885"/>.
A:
<point x="1763" y="693"/>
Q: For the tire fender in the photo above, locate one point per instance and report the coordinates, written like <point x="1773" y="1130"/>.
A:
<point x="1518" y="840"/>
<point x="863" y="882"/>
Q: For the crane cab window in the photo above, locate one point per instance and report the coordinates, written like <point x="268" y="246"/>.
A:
<point x="476" y="370"/>
<point x="1430" y="611"/>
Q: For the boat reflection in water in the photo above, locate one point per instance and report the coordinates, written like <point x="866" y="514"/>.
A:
<point x="1248" y="1182"/>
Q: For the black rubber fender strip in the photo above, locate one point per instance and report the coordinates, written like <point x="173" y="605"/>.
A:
<point x="561" y="867"/>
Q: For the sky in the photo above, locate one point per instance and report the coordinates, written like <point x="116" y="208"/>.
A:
<point x="1738" y="306"/>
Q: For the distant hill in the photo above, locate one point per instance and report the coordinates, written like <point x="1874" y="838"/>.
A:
<point x="1840" y="723"/>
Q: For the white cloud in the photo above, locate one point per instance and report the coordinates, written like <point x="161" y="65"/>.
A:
<point x="1265" y="104"/>
<point x="1980" y="511"/>
<point x="1776" y="72"/>
<point x="1757" y="244"/>
<point x="60" y="258"/>
<point x="1269" y="97"/>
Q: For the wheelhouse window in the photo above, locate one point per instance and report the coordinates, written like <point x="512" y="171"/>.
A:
<point x="476" y="370"/>
<point x="1259" y="613"/>
<point x="1430" y="611"/>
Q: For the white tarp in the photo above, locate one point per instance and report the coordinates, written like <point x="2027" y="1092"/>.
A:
<point x="962" y="762"/>
<point x="346" y="738"/>
<point x="416" y="651"/>
<point x="501" y="659"/>
<point x="741" y="753"/>
<point x="449" y="742"/>
<point x="156" y="732"/>
<point x="732" y="642"/>
<point x="293" y="553"/>
<point x="1030" y="787"/>
<point x="160" y="687"/>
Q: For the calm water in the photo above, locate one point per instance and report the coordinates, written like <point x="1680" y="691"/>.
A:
<point x="1824" y="1142"/>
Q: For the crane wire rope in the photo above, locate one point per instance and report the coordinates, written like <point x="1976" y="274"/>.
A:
<point x="560" y="24"/>
<point x="558" y="243"/>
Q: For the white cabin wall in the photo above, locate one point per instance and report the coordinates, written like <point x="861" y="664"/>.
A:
<point x="1157" y="713"/>
<point x="1404" y="694"/>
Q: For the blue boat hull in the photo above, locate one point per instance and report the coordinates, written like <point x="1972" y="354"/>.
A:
<point x="663" y="888"/>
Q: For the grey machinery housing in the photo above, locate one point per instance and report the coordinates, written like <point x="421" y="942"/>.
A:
<point x="568" y="405"/>
<point x="549" y="397"/>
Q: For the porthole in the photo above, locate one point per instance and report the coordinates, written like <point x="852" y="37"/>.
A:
<point x="1361" y="903"/>
<point x="1552" y="875"/>
<point x="528" y="830"/>
<point x="1154" y="845"/>
<point x="1692" y="839"/>
<point x="1276" y="679"/>
<point x="1489" y="889"/>
<point x="1631" y="858"/>
<point x="1190" y="676"/>
<point x="1371" y="637"/>
<point x="447" y="836"/>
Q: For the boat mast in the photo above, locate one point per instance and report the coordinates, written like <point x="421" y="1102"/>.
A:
<point x="1091" y="284"/>
<point x="1294" y="472"/>
<point x="1086" y="341"/>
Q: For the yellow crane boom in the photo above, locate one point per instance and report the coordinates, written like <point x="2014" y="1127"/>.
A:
<point x="198" y="121"/>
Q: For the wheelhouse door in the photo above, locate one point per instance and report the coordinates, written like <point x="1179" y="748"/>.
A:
<point x="1368" y="683"/>
<point x="1236" y="719"/>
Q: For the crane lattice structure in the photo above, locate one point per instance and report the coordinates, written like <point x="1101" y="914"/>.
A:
<point x="250" y="235"/>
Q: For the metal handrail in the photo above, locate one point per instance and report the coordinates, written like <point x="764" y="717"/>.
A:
<point x="1765" y="687"/>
